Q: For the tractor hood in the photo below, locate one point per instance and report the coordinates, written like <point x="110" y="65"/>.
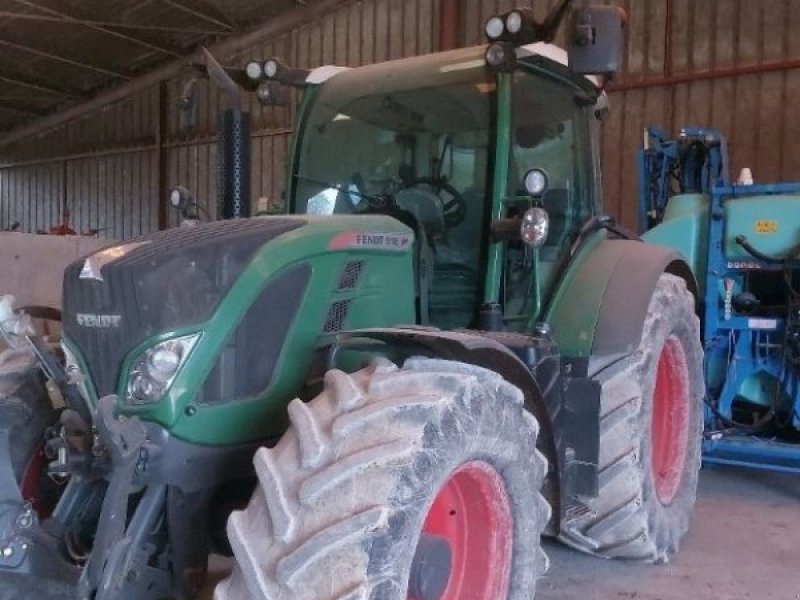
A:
<point x="208" y="279"/>
<point x="117" y="298"/>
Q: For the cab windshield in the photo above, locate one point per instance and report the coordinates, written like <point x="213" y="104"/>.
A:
<point x="418" y="131"/>
<point x="416" y="139"/>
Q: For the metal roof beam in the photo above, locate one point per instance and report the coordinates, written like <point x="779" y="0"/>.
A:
<point x="9" y="107"/>
<point x="199" y="14"/>
<point x="221" y="9"/>
<point x="234" y="44"/>
<point x="6" y="14"/>
<point x="39" y="87"/>
<point x="62" y="59"/>
<point x="117" y="34"/>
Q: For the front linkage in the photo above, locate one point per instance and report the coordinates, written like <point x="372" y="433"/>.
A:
<point x="118" y="566"/>
<point x="94" y="545"/>
<point x="120" y="563"/>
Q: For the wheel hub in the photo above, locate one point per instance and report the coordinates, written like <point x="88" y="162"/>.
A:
<point x="430" y="571"/>
<point x="465" y="548"/>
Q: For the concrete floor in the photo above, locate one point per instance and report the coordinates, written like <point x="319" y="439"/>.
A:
<point x="744" y="545"/>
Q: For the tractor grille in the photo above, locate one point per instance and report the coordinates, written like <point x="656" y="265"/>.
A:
<point x="337" y="315"/>
<point x="351" y="275"/>
<point x="175" y="279"/>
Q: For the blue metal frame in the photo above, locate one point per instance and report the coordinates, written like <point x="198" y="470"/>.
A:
<point x="752" y="453"/>
<point x="748" y="346"/>
<point x="662" y="160"/>
<point x="697" y="162"/>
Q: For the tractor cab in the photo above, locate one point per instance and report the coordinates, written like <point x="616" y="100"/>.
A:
<point x="445" y="143"/>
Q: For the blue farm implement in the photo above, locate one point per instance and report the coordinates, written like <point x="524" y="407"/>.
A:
<point x="743" y="243"/>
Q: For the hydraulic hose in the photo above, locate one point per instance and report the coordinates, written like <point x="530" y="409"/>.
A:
<point x="757" y="254"/>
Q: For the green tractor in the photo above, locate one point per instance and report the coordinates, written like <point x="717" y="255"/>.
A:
<point x="443" y="350"/>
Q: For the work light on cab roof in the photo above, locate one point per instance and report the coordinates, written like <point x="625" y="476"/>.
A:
<point x="271" y="68"/>
<point x="254" y="70"/>
<point x="594" y="35"/>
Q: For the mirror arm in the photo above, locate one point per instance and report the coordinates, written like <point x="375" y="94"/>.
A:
<point x="222" y="78"/>
<point x="505" y="230"/>
<point x="547" y="29"/>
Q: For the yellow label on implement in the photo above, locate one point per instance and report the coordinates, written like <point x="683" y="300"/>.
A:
<point x="766" y="226"/>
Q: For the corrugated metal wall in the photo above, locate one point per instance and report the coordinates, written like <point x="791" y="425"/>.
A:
<point x="361" y="33"/>
<point x="105" y="165"/>
<point x="731" y="64"/>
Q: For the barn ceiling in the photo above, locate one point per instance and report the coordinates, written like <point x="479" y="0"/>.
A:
<point x="56" y="53"/>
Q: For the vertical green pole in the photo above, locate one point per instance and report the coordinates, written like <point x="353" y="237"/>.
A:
<point x="491" y="293"/>
<point x="536" y="274"/>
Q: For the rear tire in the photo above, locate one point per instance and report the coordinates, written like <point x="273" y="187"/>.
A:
<point x="650" y="438"/>
<point x="378" y="458"/>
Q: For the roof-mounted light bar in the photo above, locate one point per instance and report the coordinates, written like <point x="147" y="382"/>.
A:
<point x="595" y="38"/>
<point x="273" y="69"/>
<point x="519" y="26"/>
<point x="516" y="26"/>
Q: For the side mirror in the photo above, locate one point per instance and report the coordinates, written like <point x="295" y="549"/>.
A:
<point x="596" y="40"/>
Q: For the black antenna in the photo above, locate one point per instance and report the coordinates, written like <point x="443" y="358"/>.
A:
<point x="546" y="30"/>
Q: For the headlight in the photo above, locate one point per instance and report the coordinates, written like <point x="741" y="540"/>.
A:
<point x="514" y="21"/>
<point x="535" y="226"/>
<point x="271" y="68"/>
<point x="264" y="92"/>
<point x="496" y="55"/>
<point x="254" y="70"/>
<point x="180" y="197"/>
<point x="535" y="182"/>
<point x="155" y="370"/>
<point x="164" y="361"/>
<point x="494" y="28"/>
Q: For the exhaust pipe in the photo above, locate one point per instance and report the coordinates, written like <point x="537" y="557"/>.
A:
<point x="233" y="147"/>
<point x="233" y="164"/>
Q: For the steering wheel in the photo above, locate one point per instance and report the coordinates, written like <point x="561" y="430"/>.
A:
<point x="454" y="206"/>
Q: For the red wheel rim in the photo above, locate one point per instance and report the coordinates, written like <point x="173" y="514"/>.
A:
<point x="31" y="478"/>
<point x="670" y="420"/>
<point x="472" y="512"/>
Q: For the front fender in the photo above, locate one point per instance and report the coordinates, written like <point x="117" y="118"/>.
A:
<point x="599" y="307"/>
<point x="567" y="409"/>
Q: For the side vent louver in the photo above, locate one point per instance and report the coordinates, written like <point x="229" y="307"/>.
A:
<point x="351" y="274"/>
<point x="337" y="314"/>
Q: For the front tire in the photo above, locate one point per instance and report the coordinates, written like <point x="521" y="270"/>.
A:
<point x="391" y="463"/>
<point x="28" y="413"/>
<point x="650" y="438"/>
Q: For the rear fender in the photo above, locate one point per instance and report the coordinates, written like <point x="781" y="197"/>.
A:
<point x="600" y="305"/>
